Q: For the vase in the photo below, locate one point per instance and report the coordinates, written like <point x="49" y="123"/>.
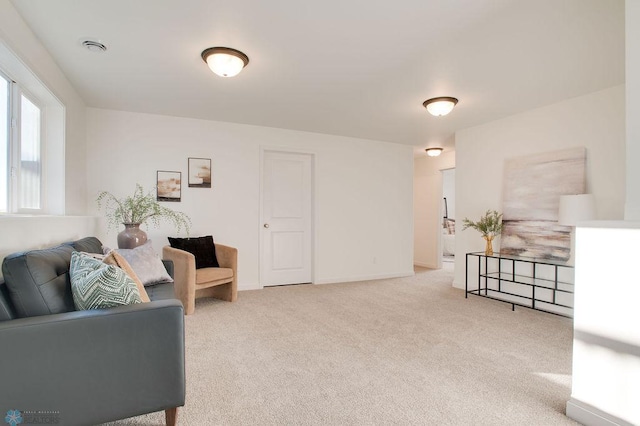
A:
<point x="488" y="250"/>
<point x="132" y="236"/>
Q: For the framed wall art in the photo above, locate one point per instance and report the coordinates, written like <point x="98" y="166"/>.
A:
<point x="532" y="189"/>
<point x="169" y="186"/>
<point x="199" y="172"/>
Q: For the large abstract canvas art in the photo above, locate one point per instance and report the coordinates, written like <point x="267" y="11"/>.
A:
<point x="532" y="189"/>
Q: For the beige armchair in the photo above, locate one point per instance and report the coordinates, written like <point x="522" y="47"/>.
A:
<point x="191" y="283"/>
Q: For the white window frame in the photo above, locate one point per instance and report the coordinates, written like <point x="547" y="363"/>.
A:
<point x="16" y="92"/>
<point x="52" y="134"/>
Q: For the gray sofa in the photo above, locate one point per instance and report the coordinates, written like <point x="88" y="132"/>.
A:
<point x="61" y="366"/>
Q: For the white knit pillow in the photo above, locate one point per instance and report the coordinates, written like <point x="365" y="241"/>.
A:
<point x="146" y="264"/>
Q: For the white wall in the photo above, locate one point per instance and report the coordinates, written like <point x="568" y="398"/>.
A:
<point x="606" y="360"/>
<point x="632" y="83"/>
<point x="21" y="233"/>
<point x="595" y="121"/>
<point x="427" y="202"/>
<point x="363" y="188"/>
<point x="606" y="365"/>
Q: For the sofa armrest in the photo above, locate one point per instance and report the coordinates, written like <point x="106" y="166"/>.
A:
<point x="168" y="265"/>
<point x="95" y="366"/>
<point x="227" y="257"/>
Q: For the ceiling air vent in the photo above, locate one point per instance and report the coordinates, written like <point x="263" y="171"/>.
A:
<point x="93" y="46"/>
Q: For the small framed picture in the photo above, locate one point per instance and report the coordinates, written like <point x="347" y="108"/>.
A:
<point x="169" y="186"/>
<point x="199" y="172"/>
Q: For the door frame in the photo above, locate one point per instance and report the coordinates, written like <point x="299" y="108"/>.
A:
<point x="314" y="206"/>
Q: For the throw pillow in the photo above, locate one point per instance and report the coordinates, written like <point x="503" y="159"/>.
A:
<point x="98" y="256"/>
<point x="146" y="264"/>
<point x="115" y="259"/>
<point x="203" y="248"/>
<point x="96" y="285"/>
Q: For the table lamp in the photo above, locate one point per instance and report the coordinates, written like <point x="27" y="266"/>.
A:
<point x="574" y="209"/>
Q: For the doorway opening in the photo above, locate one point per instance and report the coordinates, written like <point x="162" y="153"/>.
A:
<point x="448" y="215"/>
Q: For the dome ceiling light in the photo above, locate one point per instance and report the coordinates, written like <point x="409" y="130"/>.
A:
<point x="433" y="152"/>
<point x="440" y="106"/>
<point x="225" y="61"/>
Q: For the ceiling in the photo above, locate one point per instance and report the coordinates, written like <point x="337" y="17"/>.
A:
<point x="358" y="68"/>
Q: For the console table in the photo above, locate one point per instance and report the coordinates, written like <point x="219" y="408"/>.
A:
<point x="539" y="284"/>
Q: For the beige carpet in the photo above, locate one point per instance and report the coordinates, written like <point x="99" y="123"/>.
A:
<point x="408" y="351"/>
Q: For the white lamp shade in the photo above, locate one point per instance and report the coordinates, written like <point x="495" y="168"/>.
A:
<point x="576" y="208"/>
<point x="440" y="108"/>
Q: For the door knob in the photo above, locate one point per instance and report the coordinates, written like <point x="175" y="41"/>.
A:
<point x="266" y="225"/>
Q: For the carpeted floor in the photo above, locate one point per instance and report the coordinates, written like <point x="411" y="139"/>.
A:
<point x="406" y="351"/>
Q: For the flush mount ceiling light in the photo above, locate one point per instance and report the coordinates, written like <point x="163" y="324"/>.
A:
<point x="440" y="106"/>
<point x="224" y="61"/>
<point x="433" y="152"/>
<point x="93" y="45"/>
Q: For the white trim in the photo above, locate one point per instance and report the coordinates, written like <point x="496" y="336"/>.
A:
<point x="426" y="265"/>
<point x="249" y="286"/>
<point x="591" y="416"/>
<point x="459" y="285"/>
<point x="364" y="278"/>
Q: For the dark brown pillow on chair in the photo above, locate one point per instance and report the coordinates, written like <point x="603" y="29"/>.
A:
<point x="203" y="248"/>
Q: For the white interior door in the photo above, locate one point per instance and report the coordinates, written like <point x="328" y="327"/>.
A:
<point x="286" y="218"/>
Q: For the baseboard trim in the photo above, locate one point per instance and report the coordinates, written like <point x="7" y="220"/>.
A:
<point x="363" y="278"/>
<point x="426" y="265"/>
<point x="591" y="416"/>
<point x="458" y="285"/>
<point x="243" y="287"/>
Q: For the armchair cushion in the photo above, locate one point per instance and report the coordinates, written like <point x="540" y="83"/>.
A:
<point x="207" y="275"/>
<point x="203" y="248"/>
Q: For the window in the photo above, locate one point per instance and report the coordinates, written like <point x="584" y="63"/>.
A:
<point x="20" y="150"/>
<point x="4" y="143"/>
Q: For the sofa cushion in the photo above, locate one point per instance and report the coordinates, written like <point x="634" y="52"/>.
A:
<point x="202" y="248"/>
<point x="96" y="285"/>
<point x="6" y="307"/>
<point x="207" y="275"/>
<point x="161" y="291"/>
<point x="87" y="244"/>
<point x="38" y="281"/>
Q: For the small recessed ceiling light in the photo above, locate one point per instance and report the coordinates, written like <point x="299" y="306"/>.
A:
<point x="93" y="45"/>
<point x="433" y="152"/>
<point x="440" y="106"/>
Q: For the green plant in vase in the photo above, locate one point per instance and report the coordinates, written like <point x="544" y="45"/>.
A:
<point x="135" y="210"/>
<point x="489" y="226"/>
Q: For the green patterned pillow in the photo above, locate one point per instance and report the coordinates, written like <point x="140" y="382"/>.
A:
<point x="96" y="285"/>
